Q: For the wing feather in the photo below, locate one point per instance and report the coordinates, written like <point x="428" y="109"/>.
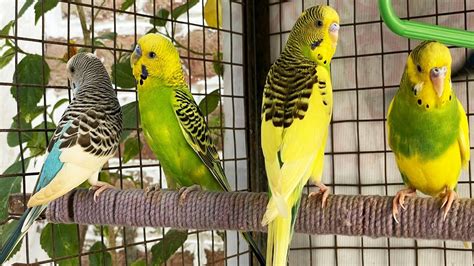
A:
<point x="463" y="138"/>
<point x="197" y="134"/>
<point x="294" y="136"/>
<point x="76" y="151"/>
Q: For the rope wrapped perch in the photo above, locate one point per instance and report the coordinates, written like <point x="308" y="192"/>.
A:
<point x="343" y="215"/>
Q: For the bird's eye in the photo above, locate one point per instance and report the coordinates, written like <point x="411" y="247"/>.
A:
<point x="72" y="69"/>
<point x="418" y="67"/>
<point x="152" y="54"/>
<point x="319" y="23"/>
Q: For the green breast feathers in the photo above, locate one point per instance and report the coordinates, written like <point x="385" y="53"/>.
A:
<point x="425" y="133"/>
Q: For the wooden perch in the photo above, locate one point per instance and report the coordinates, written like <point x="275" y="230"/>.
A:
<point x="344" y="215"/>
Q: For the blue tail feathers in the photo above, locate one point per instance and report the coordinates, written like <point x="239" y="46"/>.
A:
<point x="22" y="227"/>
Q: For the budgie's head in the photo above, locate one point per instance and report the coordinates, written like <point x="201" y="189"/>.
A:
<point x="428" y="70"/>
<point x="156" y="57"/>
<point x="315" y="34"/>
<point x="83" y="68"/>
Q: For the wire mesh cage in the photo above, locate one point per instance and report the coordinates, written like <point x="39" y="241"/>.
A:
<point x="226" y="49"/>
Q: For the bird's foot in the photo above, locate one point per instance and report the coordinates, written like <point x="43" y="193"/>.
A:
<point x="99" y="187"/>
<point x="324" y="190"/>
<point x="152" y="188"/>
<point x="399" y="199"/>
<point x="448" y="198"/>
<point x="184" y="191"/>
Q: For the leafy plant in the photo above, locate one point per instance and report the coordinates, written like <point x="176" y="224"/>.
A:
<point x="61" y="242"/>
<point x="163" y="250"/>
<point x="99" y="258"/>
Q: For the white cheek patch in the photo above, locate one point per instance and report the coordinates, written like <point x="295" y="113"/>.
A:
<point x="417" y="89"/>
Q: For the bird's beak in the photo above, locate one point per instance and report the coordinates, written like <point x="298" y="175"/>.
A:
<point x="137" y="53"/>
<point x="334" y="33"/>
<point x="437" y="76"/>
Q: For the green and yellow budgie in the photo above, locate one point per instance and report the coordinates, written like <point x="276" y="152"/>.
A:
<point x="427" y="127"/>
<point x="172" y="123"/>
<point x="296" y="111"/>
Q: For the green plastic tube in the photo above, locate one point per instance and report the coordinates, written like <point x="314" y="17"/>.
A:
<point x="423" y="31"/>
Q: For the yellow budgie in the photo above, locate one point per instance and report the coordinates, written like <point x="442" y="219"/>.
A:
<point x="427" y="126"/>
<point x="296" y="111"/>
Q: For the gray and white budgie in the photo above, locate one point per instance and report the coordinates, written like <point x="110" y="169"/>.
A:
<point x="87" y="136"/>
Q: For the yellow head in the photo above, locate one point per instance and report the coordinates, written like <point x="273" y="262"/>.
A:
<point x="428" y="70"/>
<point x="156" y="58"/>
<point x="315" y="34"/>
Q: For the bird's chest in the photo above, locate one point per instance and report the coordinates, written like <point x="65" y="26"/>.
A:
<point x="424" y="134"/>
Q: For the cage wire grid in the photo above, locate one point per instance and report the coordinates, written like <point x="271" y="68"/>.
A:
<point x="366" y="71"/>
<point x="234" y="156"/>
<point x="358" y="159"/>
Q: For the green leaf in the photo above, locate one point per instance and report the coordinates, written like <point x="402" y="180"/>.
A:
<point x="65" y="242"/>
<point x="107" y="36"/>
<point x="217" y="64"/>
<point x="6" y="29"/>
<point x="122" y="73"/>
<point x="164" y="249"/>
<point x="37" y="143"/>
<point x="7" y="57"/>
<point x="104" y="176"/>
<point x="210" y="102"/>
<point x="9" y="185"/>
<point x="13" y="138"/>
<point x="43" y="6"/>
<point x="25" y="6"/>
<point x="101" y="258"/>
<point x="183" y="8"/>
<point x="160" y="19"/>
<point x="34" y="112"/>
<point x="131" y="149"/>
<point x="129" y="113"/>
<point x="140" y="262"/>
<point x="29" y="71"/>
<point x="5" y="231"/>
<point x="126" y="4"/>
<point x="98" y="43"/>
<point x="59" y="103"/>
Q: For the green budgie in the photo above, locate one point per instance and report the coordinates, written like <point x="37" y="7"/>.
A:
<point x="172" y="123"/>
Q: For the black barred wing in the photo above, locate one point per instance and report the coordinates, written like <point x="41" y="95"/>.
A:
<point x="96" y="130"/>
<point x="287" y="90"/>
<point x="197" y="134"/>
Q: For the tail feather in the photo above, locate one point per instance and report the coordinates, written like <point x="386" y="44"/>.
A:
<point x="279" y="233"/>
<point x="280" y="230"/>
<point x="256" y="251"/>
<point x="270" y="237"/>
<point x="24" y="224"/>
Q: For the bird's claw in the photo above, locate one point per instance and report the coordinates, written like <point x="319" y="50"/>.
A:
<point x="152" y="188"/>
<point x="184" y="191"/>
<point x="448" y="199"/>
<point x="100" y="187"/>
<point x="324" y="190"/>
<point x="399" y="199"/>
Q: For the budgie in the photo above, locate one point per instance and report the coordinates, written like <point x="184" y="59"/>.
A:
<point x="87" y="136"/>
<point x="172" y="123"/>
<point x="296" y="112"/>
<point x="427" y="127"/>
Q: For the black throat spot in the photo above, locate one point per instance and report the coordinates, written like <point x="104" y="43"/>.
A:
<point x="316" y="44"/>
<point x="144" y="74"/>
